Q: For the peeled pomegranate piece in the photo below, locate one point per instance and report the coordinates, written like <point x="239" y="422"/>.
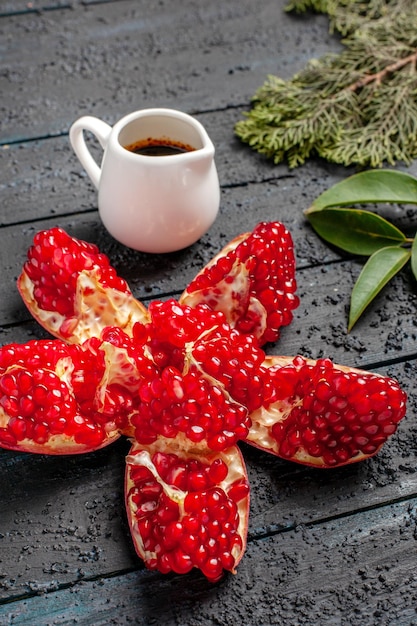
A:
<point x="209" y="377"/>
<point x="326" y="415"/>
<point x="71" y="289"/>
<point x="57" y="398"/>
<point x="47" y="392"/>
<point x="252" y="281"/>
<point x="185" y="511"/>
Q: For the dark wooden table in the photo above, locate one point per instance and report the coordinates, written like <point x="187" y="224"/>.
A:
<point x="325" y="547"/>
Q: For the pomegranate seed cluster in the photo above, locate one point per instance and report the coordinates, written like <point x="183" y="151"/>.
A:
<point x="184" y="381"/>
<point x="209" y="378"/>
<point x="54" y="263"/>
<point x="184" y="517"/>
<point x="335" y="415"/>
<point x="37" y="396"/>
<point x="188" y="404"/>
<point x="268" y="257"/>
<point x="49" y="395"/>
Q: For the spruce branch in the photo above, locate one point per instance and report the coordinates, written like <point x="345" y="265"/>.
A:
<point x="356" y="107"/>
<point x="382" y="74"/>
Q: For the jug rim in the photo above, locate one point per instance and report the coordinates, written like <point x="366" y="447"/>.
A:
<point x="206" y="148"/>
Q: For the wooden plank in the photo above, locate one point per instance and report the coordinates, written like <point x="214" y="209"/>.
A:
<point x="326" y="547"/>
<point x="13" y="7"/>
<point x="358" y="570"/>
<point x="62" y="519"/>
<point x="227" y="50"/>
<point x="385" y="331"/>
<point x="16" y="7"/>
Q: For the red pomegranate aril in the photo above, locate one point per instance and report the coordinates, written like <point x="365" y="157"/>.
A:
<point x="218" y="471"/>
<point x="182" y="562"/>
<point x="57" y="426"/>
<point x="18" y="428"/>
<point x="8" y="384"/>
<point x="191" y="524"/>
<point x="190" y="543"/>
<point x="227" y="560"/>
<point x="197" y="481"/>
<point x="213" y="568"/>
<point x="173" y="534"/>
<point x="201" y="556"/>
<point x="10" y="406"/>
<point x="193" y="502"/>
<point x="40" y="433"/>
<point x="214" y="528"/>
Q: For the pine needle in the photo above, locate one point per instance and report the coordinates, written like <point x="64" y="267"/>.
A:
<point x="356" y="107"/>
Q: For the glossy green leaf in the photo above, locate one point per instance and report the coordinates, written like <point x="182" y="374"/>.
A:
<point x="372" y="186"/>
<point x="355" y="230"/>
<point x="376" y="273"/>
<point x="414" y="257"/>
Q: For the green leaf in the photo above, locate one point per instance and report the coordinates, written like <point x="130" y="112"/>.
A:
<point x="355" y="230"/>
<point x="414" y="256"/>
<point x="376" y="273"/>
<point x="367" y="187"/>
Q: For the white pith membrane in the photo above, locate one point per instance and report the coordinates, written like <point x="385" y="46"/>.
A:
<point x="231" y="295"/>
<point x="95" y="307"/>
<point x="120" y="369"/>
<point x="140" y="455"/>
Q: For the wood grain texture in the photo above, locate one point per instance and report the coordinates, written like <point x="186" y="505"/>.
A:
<point x="325" y="547"/>
<point x="109" y="59"/>
<point x="356" y="570"/>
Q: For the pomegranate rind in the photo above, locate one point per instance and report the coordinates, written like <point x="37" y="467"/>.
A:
<point x="95" y="307"/>
<point x="343" y="415"/>
<point x="252" y="281"/>
<point x="201" y="541"/>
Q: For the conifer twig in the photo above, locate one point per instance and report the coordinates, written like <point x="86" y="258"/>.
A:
<point x="357" y="107"/>
<point x="378" y="77"/>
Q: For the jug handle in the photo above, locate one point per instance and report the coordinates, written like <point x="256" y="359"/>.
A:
<point x="101" y="131"/>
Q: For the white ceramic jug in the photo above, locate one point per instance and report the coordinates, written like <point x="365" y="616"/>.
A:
<point x="158" y="189"/>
